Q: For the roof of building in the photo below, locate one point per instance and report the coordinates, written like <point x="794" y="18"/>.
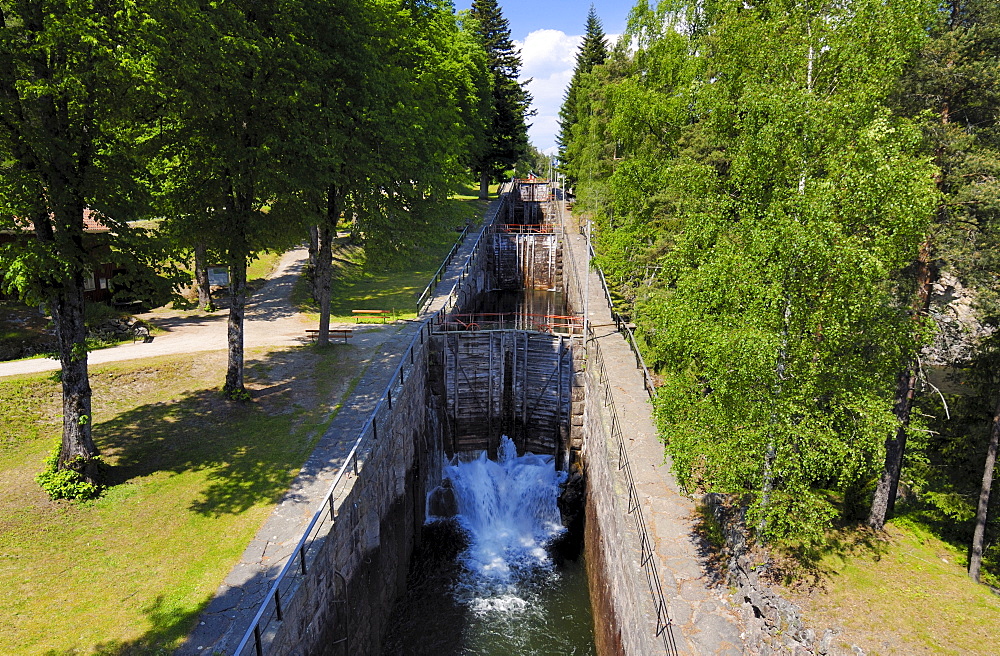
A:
<point x="92" y="223"/>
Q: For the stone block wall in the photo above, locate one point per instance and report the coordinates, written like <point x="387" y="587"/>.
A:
<point x="618" y="589"/>
<point x="342" y="604"/>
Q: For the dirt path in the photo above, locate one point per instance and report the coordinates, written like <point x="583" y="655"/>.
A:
<point x="270" y="321"/>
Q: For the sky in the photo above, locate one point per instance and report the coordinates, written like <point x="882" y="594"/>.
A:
<point x="549" y="32"/>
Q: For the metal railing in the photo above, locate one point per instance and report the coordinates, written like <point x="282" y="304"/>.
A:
<point x="528" y="228"/>
<point x="271" y="610"/>
<point x="647" y="549"/>
<point x="543" y="323"/>
<point x="623" y="326"/>
<point x="428" y="293"/>
<point x="664" y="624"/>
<point x="424" y="297"/>
<point x="324" y="519"/>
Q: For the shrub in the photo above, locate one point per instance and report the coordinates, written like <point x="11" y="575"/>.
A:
<point x="67" y="483"/>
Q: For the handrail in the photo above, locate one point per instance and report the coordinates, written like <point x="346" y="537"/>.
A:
<point x="326" y="511"/>
<point x="647" y="560"/>
<point x="298" y="564"/>
<point x="664" y="624"/>
<point x="528" y="228"/>
<point x="552" y="323"/>
<point x="623" y="327"/>
<point x="424" y="297"/>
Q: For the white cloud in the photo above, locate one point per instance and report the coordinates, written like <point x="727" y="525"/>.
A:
<point x="545" y="52"/>
<point x="548" y="58"/>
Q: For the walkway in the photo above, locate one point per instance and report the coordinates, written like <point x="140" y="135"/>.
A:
<point x="224" y="621"/>
<point x="270" y="321"/>
<point x="703" y="622"/>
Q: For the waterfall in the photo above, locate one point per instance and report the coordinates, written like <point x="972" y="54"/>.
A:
<point x="508" y="509"/>
<point x="500" y="593"/>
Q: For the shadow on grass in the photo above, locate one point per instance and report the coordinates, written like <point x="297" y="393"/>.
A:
<point x="797" y="564"/>
<point x="167" y="627"/>
<point x="249" y="450"/>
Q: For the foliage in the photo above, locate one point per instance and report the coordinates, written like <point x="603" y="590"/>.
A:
<point x="576" y="108"/>
<point x="533" y="161"/>
<point x="508" y="131"/>
<point x="66" y="482"/>
<point x="74" y="97"/>
<point x="757" y="202"/>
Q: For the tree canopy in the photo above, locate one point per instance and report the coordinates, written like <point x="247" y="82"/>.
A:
<point x="507" y="139"/>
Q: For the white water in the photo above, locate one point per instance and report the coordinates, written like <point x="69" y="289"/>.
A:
<point x="504" y="595"/>
<point x="509" y="511"/>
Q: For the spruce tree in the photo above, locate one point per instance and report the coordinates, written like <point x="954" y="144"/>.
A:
<point x="508" y="139"/>
<point x="593" y="52"/>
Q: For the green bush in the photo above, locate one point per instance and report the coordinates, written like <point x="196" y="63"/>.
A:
<point x="67" y="483"/>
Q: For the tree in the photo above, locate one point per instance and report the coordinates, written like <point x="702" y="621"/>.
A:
<point x="401" y="102"/>
<point x="976" y="552"/>
<point x="951" y="84"/>
<point x="761" y="247"/>
<point x="593" y="52"/>
<point x="508" y="135"/>
<point x="231" y="82"/>
<point x="72" y="91"/>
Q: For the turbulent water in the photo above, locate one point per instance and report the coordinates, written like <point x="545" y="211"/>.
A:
<point x="485" y="582"/>
<point x="509" y="510"/>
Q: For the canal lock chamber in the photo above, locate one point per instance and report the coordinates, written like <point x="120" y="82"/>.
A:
<point x="500" y="566"/>
<point x="497" y="377"/>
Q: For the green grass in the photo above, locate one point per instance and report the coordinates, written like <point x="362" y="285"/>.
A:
<point x="192" y="479"/>
<point x="263" y="266"/>
<point x="360" y="285"/>
<point x="907" y="594"/>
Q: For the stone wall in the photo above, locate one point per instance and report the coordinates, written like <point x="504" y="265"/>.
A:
<point x="342" y="604"/>
<point x="618" y="589"/>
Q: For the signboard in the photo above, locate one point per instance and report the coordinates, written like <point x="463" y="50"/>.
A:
<point x="218" y="276"/>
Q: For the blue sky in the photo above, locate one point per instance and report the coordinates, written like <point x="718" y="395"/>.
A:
<point x="549" y="33"/>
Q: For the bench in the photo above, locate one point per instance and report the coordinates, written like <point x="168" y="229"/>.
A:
<point x="343" y="333"/>
<point x="375" y="314"/>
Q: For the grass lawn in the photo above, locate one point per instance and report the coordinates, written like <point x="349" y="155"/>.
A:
<point x="907" y="595"/>
<point x="193" y="478"/>
<point x="22" y="329"/>
<point x="357" y="285"/>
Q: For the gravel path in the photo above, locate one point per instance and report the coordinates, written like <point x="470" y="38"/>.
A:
<point x="270" y="321"/>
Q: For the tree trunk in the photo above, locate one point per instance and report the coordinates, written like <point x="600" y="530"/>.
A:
<point x="313" y="263"/>
<point x="323" y="271"/>
<point x="237" y="306"/>
<point x="313" y="245"/>
<point x="67" y="307"/>
<point x="324" y="263"/>
<point x="484" y="186"/>
<point x="78" y="448"/>
<point x="884" y="500"/>
<point x="976" y="556"/>
<point x="201" y="277"/>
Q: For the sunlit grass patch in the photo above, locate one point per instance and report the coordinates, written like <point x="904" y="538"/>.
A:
<point x="361" y="284"/>
<point x="192" y="478"/>
<point x="911" y="595"/>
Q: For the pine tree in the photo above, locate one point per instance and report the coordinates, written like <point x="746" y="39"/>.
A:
<point x="593" y="52"/>
<point x="508" y="139"/>
<point x="952" y="82"/>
